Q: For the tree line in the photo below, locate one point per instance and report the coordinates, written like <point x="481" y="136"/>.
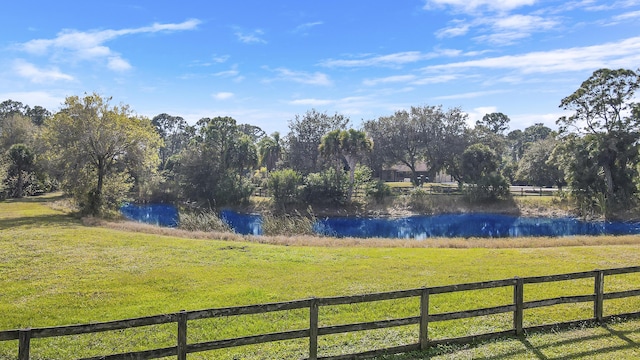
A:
<point x="103" y="154"/>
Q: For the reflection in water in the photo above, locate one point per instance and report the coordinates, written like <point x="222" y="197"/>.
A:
<point x="414" y="227"/>
<point x="156" y="214"/>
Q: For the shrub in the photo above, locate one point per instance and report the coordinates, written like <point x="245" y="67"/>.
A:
<point x="283" y="186"/>
<point x="328" y="187"/>
<point x="288" y="224"/>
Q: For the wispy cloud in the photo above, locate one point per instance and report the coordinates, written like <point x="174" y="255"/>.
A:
<point x="316" y="78"/>
<point x="36" y="75"/>
<point x="89" y="45"/>
<point x="223" y="95"/>
<point x="304" y="28"/>
<point x="391" y="60"/>
<point x="254" y="37"/>
<point x="389" y="80"/>
<point x="470" y="6"/>
<point x="625" y="53"/>
<point x="468" y="95"/>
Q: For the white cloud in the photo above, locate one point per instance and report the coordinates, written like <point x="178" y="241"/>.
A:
<point x="223" y="95"/>
<point x="73" y="44"/>
<point x="36" y="75"/>
<point x="453" y="31"/>
<point x="312" y="102"/>
<point x="316" y="78"/>
<point x="625" y="54"/>
<point x="627" y="16"/>
<point x="254" y="37"/>
<point x="47" y="100"/>
<point x="116" y="63"/>
<point x="468" y="95"/>
<point x="474" y="5"/>
<point x="391" y="60"/>
<point x="389" y="80"/>
<point x="303" y="28"/>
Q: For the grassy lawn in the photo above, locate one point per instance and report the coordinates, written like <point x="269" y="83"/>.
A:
<point x="56" y="271"/>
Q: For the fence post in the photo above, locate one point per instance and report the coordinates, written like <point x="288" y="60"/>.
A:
<point x="24" y="343"/>
<point x="313" y="330"/>
<point x="424" y="319"/>
<point x="518" y="300"/>
<point x="182" y="335"/>
<point x="599" y="295"/>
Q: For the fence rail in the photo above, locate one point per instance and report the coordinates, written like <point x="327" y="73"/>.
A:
<point x="517" y="307"/>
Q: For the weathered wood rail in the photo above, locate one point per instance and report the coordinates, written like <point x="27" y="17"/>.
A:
<point x="517" y="307"/>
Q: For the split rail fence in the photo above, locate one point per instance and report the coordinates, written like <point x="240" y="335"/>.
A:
<point x="517" y="307"/>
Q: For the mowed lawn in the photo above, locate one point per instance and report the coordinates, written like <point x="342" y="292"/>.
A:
<point x="56" y="271"/>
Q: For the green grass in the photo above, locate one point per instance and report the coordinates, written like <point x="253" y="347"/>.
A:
<point x="56" y="271"/>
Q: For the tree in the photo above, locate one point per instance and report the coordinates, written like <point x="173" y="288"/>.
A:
<point x="604" y="114"/>
<point x="270" y="151"/>
<point x="97" y="146"/>
<point x="351" y="145"/>
<point x="16" y="128"/>
<point x="305" y="134"/>
<point x="175" y="134"/>
<point x="535" y="168"/>
<point x="496" y="123"/>
<point x="22" y="159"/>
<point x="399" y="138"/>
<point x="211" y="168"/>
<point x="479" y="166"/>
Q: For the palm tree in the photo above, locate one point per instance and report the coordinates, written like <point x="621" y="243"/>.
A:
<point x="351" y="145"/>
<point x="270" y="149"/>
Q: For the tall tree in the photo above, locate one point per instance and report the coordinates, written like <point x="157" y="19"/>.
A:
<point x="497" y="123"/>
<point x="211" y="167"/>
<point x="305" y="133"/>
<point x="603" y="109"/>
<point x="175" y="134"/>
<point x="22" y="159"/>
<point x="96" y="144"/>
<point x="270" y="151"/>
<point x="351" y="145"/>
<point x="534" y="168"/>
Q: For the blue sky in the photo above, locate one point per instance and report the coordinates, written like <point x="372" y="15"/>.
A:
<point x="263" y="62"/>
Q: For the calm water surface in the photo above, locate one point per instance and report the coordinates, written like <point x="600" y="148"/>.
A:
<point x="413" y="227"/>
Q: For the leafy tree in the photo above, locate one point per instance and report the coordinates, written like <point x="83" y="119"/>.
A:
<point x="496" y="123"/>
<point x="211" y="168"/>
<point x="535" y="168"/>
<point x="604" y="114"/>
<point x="479" y="168"/>
<point x="10" y="107"/>
<point x="305" y="134"/>
<point x="175" y="134"/>
<point x="351" y="145"/>
<point x="16" y="128"/>
<point x="38" y="115"/>
<point x="22" y="159"/>
<point x="270" y="151"/>
<point x="96" y="147"/>
<point x="399" y="139"/>
<point x="255" y="133"/>
<point x="422" y="134"/>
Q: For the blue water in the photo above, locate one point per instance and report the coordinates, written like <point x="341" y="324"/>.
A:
<point x="156" y="214"/>
<point x="469" y="225"/>
<point x="413" y="227"/>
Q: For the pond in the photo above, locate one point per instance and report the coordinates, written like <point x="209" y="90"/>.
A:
<point x="156" y="214"/>
<point x="413" y="227"/>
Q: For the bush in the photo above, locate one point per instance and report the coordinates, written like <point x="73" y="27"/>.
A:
<point x="328" y="187"/>
<point x="490" y="187"/>
<point x="283" y="186"/>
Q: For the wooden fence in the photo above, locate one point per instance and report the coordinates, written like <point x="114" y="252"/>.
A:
<point x="517" y="307"/>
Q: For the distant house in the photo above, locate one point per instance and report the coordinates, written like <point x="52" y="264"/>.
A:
<point x="401" y="172"/>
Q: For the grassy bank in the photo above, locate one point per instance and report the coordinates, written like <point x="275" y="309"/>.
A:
<point x="54" y="270"/>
